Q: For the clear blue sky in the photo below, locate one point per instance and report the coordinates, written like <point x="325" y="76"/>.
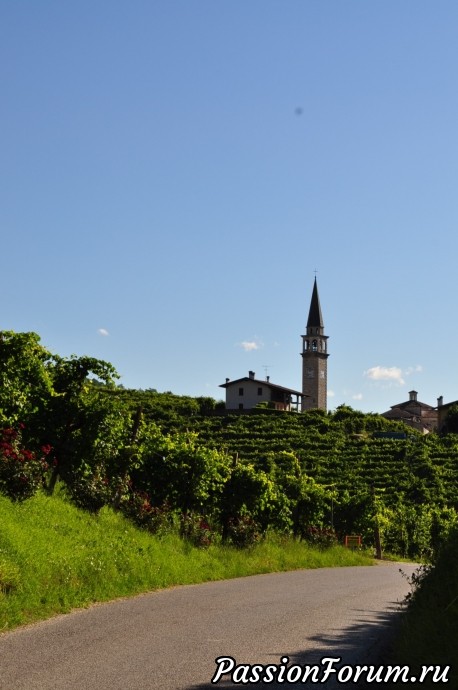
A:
<point x="173" y="172"/>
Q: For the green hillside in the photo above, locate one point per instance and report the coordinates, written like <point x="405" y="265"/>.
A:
<point x="156" y="489"/>
<point x="372" y="468"/>
<point x="161" y="459"/>
<point x="55" y="557"/>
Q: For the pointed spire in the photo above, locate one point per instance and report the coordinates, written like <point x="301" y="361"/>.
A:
<point x="315" y="319"/>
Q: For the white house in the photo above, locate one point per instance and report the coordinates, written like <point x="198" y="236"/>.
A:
<point x="247" y="392"/>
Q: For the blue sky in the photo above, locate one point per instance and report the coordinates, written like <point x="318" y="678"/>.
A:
<point x="172" y="173"/>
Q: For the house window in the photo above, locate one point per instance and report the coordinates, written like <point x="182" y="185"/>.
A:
<point x="240" y="406"/>
<point x="240" y="391"/>
<point x="259" y="391"/>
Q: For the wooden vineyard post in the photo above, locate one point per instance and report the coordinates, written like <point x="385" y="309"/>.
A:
<point x="378" y="542"/>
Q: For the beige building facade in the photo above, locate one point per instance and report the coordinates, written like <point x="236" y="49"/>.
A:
<point x="247" y="392"/>
<point x="418" y="415"/>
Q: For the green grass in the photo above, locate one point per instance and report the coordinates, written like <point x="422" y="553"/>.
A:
<point x="54" y="557"/>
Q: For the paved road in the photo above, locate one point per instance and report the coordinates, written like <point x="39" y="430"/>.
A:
<point x="169" y="640"/>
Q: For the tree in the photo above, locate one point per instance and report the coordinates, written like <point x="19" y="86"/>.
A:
<point x="25" y="380"/>
<point x="179" y="471"/>
<point x="25" y="389"/>
<point x="248" y="491"/>
<point x="85" y="427"/>
<point x="451" y="421"/>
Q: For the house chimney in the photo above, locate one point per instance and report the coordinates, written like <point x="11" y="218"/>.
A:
<point x="251" y="374"/>
<point x="227" y="380"/>
<point x="440" y="401"/>
<point x="413" y="396"/>
<point x="267" y="379"/>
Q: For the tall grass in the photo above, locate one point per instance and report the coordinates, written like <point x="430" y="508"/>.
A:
<point x="55" y="557"/>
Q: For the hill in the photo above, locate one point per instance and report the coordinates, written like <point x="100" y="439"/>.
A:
<point x="373" y="469"/>
<point x="55" y="557"/>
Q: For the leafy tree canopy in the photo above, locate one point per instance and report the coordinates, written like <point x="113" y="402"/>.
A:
<point x="25" y="376"/>
<point x="451" y="420"/>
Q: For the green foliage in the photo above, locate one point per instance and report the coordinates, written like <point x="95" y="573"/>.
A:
<point x="206" y="404"/>
<point x="196" y="529"/>
<point x="156" y="456"/>
<point x="25" y="379"/>
<point x="407" y="530"/>
<point x="179" y="471"/>
<point x="312" y="505"/>
<point x="22" y="471"/>
<point x="85" y="427"/>
<point x="136" y="505"/>
<point x="353" y="514"/>
<point x="55" y="557"/>
<point x="58" y="408"/>
<point x="10" y="576"/>
<point x="247" y="492"/>
<point x="88" y="488"/>
<point x="430" y="627"/>
<point x="322" y="538"/>
<point x="451" y="421"/>
<point x="243" y="532"/>
<point x="171" y="412"/>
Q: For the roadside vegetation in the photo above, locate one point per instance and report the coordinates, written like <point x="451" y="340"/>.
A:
<point x="106" y="492"/>
<point x="429" y="629"/>
<point x="55" y="557"/>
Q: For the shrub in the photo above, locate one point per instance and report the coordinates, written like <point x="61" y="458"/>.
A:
<point x="196" y="529"/>
<point x="136" y="505"/>
<point x="320" y="537"/>
<point x="89" y="489"/>
<point x="430" y="625"/>
<point x="21" y="471"/>
<point x="243" y="531"/>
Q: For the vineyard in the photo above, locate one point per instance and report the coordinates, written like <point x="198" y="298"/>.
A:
<point x="348" y="450"/>
<point x="172" y="462"/>
<point x="371" y="468"/>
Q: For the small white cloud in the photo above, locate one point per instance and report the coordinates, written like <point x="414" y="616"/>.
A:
<point x="250" y="345"/>
<point x="331" y="394"/>
<point x="357" y="396"/>
<point x="103" y="331"/>
<point x="391" y="374"/>
<point x="414" y="370"/>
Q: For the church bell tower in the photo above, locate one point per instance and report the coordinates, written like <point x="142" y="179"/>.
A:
<point x="314" y="358"/>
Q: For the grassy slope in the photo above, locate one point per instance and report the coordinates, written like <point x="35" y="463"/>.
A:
<point x="54" y="557"/>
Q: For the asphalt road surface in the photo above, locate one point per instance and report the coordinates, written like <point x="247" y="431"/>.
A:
<point x="169" y="640"/>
